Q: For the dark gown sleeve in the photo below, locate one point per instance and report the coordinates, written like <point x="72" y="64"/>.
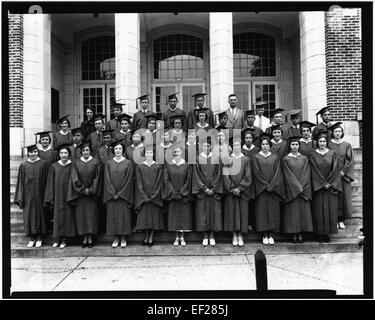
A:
<point x="140" y="195"/>
<point x="186" y="188"/>
<point x="293" y="186"/>
<point x="96" y="186"/>
<point x="334" y="178"/>
<point x="349" y="164"/>
<point x="317" y="179"/>
<point x="75" y="187"/>
<point x="168" y="191"/>
<point x="49" y="194"/>
<point x="19" y="197"/>
<point x="108" y="189"/>
<point x="198" y="184"/>
<point x="259" y="181"/>
<point x="245" y="183"/>
<point x="157" y="186"/>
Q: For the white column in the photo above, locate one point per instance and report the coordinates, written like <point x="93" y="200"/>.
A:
<point x="127" y="59"/>
<point x="36" y="75"/>
<point x="221" y="59"/>
<point x="313" y="64"/>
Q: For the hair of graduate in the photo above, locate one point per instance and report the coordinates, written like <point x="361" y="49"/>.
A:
<point x="33" y="151"/>
<point x="66" y="148"/>
<point x="325" y="136"/>
<point x="289" y="143"/>
<point x="306" y="128"/>
<point x="250" y="133"/>
<point x="63" y="121"/>
<point x="49" y="138"/>
<point x="261" y="139"/>
<point x="86" y="144"/>
<point x="205" y="115"/>
<point x="89" y="108"/>
<point x="342" y="130"/>
<point x="232" y="95"/>
<point x="127" y="120"/>
<point x="174" y="120"/>
<point x="175" y="148"/>
<point x="117" y="144"/>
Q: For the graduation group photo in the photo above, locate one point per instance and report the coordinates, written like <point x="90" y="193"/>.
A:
<point x="223" y="131"/>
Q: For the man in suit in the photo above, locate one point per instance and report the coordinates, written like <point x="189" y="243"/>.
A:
<point x="235" y="115"/>
<point x="199" y="103"/>
<point x="139" y="118"/>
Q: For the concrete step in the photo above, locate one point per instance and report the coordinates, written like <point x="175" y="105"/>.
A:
<point x="191" y="249"/>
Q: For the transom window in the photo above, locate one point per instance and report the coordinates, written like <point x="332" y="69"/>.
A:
<point x="178" y="56"/>
<point x="254" y="55"/>
<point x="98" y="58"/>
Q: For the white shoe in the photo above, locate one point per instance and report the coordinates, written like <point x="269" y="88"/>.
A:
<point x="123" y="243"/>
<point x="235" y="241"/>
<point x="38" y="244"/>
<point x="182" y="241"/>
<point x="55" y="245"/>
<point x="212" y="242"/>
<point x="205" y="242"/>
<point x="240" y="241"/>
<point x="271" y="241"/>
<point x="341" y="225"/>
<point x="176" y="242"/>
<point x="265" y="240"/>
<point x="63" y="244"/>
<point x="115" y="243"/>
<point x="31" y="243"/>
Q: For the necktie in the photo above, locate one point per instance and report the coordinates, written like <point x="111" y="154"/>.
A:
<point x="260" y="122"/>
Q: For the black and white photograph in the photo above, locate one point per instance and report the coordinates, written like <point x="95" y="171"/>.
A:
<point x="184" y="148"/>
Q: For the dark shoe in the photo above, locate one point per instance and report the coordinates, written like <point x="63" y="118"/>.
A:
<point x="90" y="245"/>
<point x="150" y="244"/>
<point x="144" y="243"/>
<point x="300" y="240"/>
<point x="327" y="239"/>
<point x="321" y="238"/>
<point x="294" y="239"/>
<point x="83" y="245"/>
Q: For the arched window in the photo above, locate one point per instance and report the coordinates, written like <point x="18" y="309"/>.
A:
<point x="98" y="58"/>
<point x="178" y="56"/>
<point x="254" y="55"/>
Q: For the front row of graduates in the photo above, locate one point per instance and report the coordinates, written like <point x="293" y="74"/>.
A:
<point x="209" y="196"/>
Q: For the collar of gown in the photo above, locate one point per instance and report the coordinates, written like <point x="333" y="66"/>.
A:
<point x="138" y="146"/>
<point x="182" y="161"/>
<point x="149" y="164"/>
<point x="125" y="132"/>
<point x="248" y="149"/>
<point x="149" y="131"/>
<point x="84" y="160"/>
<point x="206" y="156"/>
<point x="60" y="162"/>
<point x="165" y="146"/>
<point x="320" y="152"/>
<point x="273" y="141"/>
<point x="37" y="159"/>
<point x="176" y="132"/>
<point x="262" y="154"/>
<point x="239" y="156"/>
<point x="191" y="144"/>
<point x="336" y="142"/>
<point x="44" y="150"/>
<point x="303" y="140"/>
<point x="200" y="126"/>
<point x="118" y="161"/>
<point x="292" y="155"/>
<point x="64" y="133"/>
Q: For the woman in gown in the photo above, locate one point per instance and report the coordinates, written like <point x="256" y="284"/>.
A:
<point x="84" y="193"/>
<point x="346" y="166"/>
<point x="148" y="201"/>
<point x="56" y="197"/>
<point x="207" y="187"/>
<point x="297" y="182"/>
<point x="176" y="190"/>
<point x="236" y="200"/>
<point x="307" y="145"/>
<point x="268" y="190"/>
<point x="118" y="194"/>
<point x="124" y="133"/>
<point x="31" y="183"/>
<point x="62" y="136"/>
<point x="248" y="148"/>
<point x="326" y="184"/>
<point x="279" y="146"/>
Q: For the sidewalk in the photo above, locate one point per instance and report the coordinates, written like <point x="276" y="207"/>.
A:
<point x="342" y="272"/>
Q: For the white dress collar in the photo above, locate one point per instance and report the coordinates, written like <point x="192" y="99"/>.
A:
<point x="149" y="164"/>
<point x="64" y="133"/>
<point x="200" y="126"/>
<point x="303" y="140"/>
<point x="60" y="162"/>
<point x="83" y="159"/>
<point x="124" y="132"/>
<point x="165" y="146"/>
<point x="237" y="157"/>
<point x="138" y="146"/>
<point x="248" y="149"/>
<point x="262" y="154"/>
<point x="118" y="161"/>
<point x="273" y="141"/>
<point x="206" y="156"/>
<point x="320" y="152"/>
<point x="337" y="142"/>
<point x="149" y="131"/>
<point x="37" y="159"/>
<point x="191" y="144"/>
<point x="292" y="155"/>
<point x="182" y="161"/>
<point x="44" y="150"/>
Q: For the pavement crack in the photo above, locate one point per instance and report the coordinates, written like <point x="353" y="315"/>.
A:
<point x="71" y="271"/>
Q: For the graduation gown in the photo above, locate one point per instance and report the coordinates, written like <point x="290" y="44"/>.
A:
<point x="281" y="148"/>
<point x="172" y="113"/>
<point x="268" y="191"/>
<point x="323" y="127"/>
<point x="87" y="127"/>
<point x="85" y="175"/>
<point x="176" y="190"/>
<point x="127" y="137"/>
<point x="113" y="124"/>
<point x="306" y="148"/>
<point x="104" y="154"/>
<point x="250" y="153"/>
<point x="325" y="170"/>
<point x="139" y="119"/>
<point x="236" y="208"/>
<point x="256" y="131"/>
<point x="58" y="139"/>
<point x="148" y="201"/>
<point x="345" y="163"/>
<point x="191" y="153"/>
<point x="46" y="155"/>
<point x="31" y="183"/>
<point x="118" y="180"/>
<point x="283" y="130"/>
<point x="293" y="132"/>
<point x="56" y="196"/>
<point x="192" y="120"/>
<point x="297" y="182"/>
<point x="96" y="140"/>
<point x="208" y="212"/>
<point x="130" y="152"/>
<point x="76" y="152"/>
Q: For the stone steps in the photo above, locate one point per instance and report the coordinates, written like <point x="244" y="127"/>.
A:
<point x="191" y="249"/>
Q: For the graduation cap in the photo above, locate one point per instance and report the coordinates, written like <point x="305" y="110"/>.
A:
<point x="248" y="130"/>
<point x="107" y="132"/>
<point x="200" y="110"/>
<point x="276" y="111"/>
<point x="335" y="126"/>
<point x="306" y="124"/>
<point x="276" y="127"/>
<point x="118" y="104"/>
<point x="222" y="115"/>
<point x="76" y="130"/>
<point x="260" y="104"/>
<point x="176" y="117"/>
<point x="198" y="95"/>
<point x="62" y="119"/>
<point x="152" y="116"/>
<point x="43" y="134"/>
<point x="322" y="111"/>
<point x="320" y="133"/>
<point x="117" y="142"/>
<point x="31" y="147"/>
<point x="294" y="113"/>
<point x="172" y="96"/>
<point x="264" y="135"/>
<point x="143" y="97"/>
<point x="250" y="113"/>
<point x="98" y="117"/>
<point x="125" y="116"/>
<point x="64" y="146"/>
<point x="294" y="138"/>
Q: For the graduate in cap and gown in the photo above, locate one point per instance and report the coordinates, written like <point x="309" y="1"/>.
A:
<point x="199" y="103"/>
<point x="56" y="195"/>
<point x="248" y="147"/>
<point x="118" y="194"/>
<point x="105" y="152"/>
<point x="135" y="151"/>
<point x="346" y="166"/>
<point x="268" y="190"/>
<point x="261" y="121"/>
<point x="237" y="181"/>
<point x="295" y="129"/>
<point x="177" y="192"/>
<point x="31" y="183"/>
<point x="149" y="134"/>
<point x="172" y="111"/>
<point x="63" y="135"/>
<point x="96" y="138"/>
<point x="148" y="200"/>
<point x="139" y="118"/>
<point x="45" y="147"/>
<point x="178" y="135"/>
<point x="250" y="119"/>
<point x="88" y="125"/>
<point x="84" y="193"/>
<point x="202" y="118"/>
<point x="279" y="146"/>
<point x="298" y="194"/>
<point x="124" y="133"/>
<point x="78" y="140"/>
<point x="223" y="126"/>
<point x="326" y="184"/>
<point x="207" y="186"/>
<point x="325" y="115"/>
<point x="114" y="123"/>
<point x="277" y="120"/>
<point x="307" y="144"/>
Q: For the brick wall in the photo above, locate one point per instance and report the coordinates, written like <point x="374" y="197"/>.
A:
<point x="15" y="70"/>
<point x="343" y="63"/>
